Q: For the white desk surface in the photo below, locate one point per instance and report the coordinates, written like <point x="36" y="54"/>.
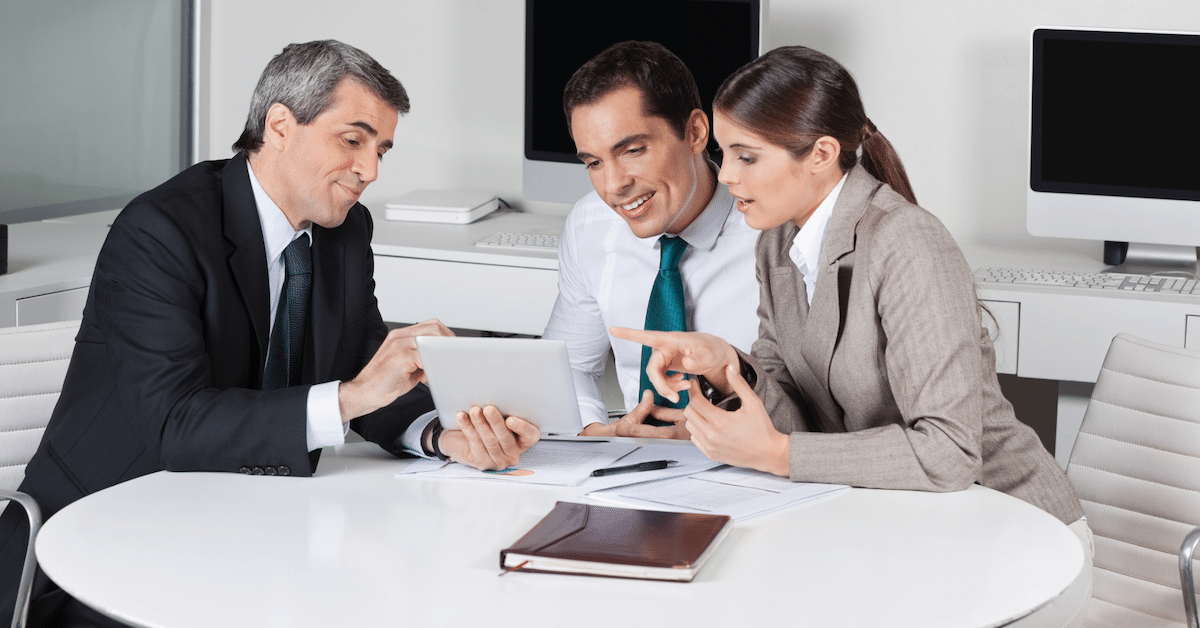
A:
<point x="1058" y="254"/>
<point x="456" y="243"/>
<point x="42" y="254"/>
<point x="356" y="546"/>
<point x="1038" y="253"/>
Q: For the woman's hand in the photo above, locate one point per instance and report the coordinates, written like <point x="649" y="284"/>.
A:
<point x="744" y="437"/>
<point x="682" y="352"/>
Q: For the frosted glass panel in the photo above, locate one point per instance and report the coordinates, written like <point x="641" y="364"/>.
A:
<point x="93" y="99"/>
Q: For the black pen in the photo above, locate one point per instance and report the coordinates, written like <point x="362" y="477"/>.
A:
<point x="632" y="468"/>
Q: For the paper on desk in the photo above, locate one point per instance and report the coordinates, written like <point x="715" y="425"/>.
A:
<point x="739" y="493"/>
<point x="689" y="458"/>
<point x="565" y="463"/>
<point x="420" y="465"/>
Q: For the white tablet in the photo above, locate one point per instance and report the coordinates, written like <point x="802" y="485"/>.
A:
<point x="529" y="378"/>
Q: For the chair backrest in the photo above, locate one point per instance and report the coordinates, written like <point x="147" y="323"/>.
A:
<point x="33" y="364"/>
<point x="1136" y="468"/>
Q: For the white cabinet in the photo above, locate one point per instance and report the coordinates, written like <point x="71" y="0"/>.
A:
<point x="465" y="295"/>
<point x="49" y="269"/>
<point x="66" y="305"/>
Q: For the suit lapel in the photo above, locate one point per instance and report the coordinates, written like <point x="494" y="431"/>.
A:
<point x="827" y="316"/>
<point x="247" y="257"/>
<point x="327" y="297"/>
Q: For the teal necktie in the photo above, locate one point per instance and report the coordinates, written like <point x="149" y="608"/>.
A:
<point x="664" y="312"/>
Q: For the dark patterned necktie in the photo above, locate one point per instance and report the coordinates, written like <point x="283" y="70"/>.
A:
<point x="664" y="312"/>
<point x="285" y="350"/>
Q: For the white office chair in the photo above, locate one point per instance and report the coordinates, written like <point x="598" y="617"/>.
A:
<point x="33" y="364"/>
<point x="1185" y="574"/>
<point x="1136" y="468"/>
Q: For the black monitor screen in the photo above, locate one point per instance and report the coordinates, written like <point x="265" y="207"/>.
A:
<point x="1116" y="114"/>
<point x="713" y="37"/>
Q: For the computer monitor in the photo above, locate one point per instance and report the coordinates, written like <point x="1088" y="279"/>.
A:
<point x="97" y="100"/>
<point x="713" y="37"/>
<point x="1114" y="151"/>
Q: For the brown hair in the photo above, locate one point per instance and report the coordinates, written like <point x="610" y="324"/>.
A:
<point x="668" y="89"/>
<point x="792" y="96"/>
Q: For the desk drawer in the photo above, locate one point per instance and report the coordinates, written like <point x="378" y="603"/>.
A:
<point x="55" y="307"/>
<point x="469" y="296"/>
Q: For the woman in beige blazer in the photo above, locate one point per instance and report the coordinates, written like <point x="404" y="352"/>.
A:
<point x="876" y="371"/>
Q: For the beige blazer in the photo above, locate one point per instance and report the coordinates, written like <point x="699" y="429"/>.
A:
<point x="889" y="381"/>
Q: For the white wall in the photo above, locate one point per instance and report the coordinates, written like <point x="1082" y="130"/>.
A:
<point x="945" y="80"/>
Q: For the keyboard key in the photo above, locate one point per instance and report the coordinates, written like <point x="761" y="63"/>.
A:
<point x="521" y="241"/>
<point x="1090" y="281"/>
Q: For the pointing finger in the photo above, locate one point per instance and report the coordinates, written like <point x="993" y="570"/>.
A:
<point x="641" y="336"/>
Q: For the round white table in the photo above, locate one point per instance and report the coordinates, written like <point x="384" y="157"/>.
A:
<point x="355" y="546"/>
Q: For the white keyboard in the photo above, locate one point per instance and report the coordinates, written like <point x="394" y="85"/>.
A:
<point x="1091" y="281"/>
<point x="524" y="241"/>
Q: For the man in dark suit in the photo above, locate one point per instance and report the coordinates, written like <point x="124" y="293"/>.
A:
<point x="216" y="338"/>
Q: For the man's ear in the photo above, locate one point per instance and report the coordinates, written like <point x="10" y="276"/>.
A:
<point x="696" y="130"/>
<point x="280" y="127"/>
<point x="824" y="155"/>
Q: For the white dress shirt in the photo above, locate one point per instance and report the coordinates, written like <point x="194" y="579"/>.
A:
<point x="806" y="246"/>
<point x="325" y="427"/>
<point x="605" y="274"/>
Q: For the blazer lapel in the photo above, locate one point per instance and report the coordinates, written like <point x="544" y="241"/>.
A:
<point x="827" y="316"/>
<point x="792" y="319"/>
<point x="328" y="295"/>
<point x="246" y="253"/>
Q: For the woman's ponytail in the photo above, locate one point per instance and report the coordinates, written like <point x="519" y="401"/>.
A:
<point x="881" y="160"/>
<point x="793" y="95"/>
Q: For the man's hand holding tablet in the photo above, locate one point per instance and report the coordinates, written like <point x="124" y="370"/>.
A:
<point x="496" y="396"/>
<point x="486" y="439"/>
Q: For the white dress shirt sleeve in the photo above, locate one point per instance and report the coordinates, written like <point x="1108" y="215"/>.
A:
<point x="410" y="440"/>
<point x="576" y="320"/>
<point x="325" y="427"/>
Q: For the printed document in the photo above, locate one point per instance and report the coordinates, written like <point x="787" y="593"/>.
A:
<point x="739" y="493"/>
<point x="565" y="463"/>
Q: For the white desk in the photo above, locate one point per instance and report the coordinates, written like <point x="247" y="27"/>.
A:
<point x="425" y="271"/>
<point x="1062" y="333"/>
<point x="422" y="271"/>
<point x="355" y="546"/>
<point x="49" y="270"/>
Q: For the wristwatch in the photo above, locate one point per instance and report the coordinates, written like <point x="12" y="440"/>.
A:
<point x="731" y="401"/>
<point x="435" y="435"/>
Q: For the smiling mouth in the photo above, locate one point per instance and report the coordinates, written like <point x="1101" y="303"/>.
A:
<point x="635" y="207"/>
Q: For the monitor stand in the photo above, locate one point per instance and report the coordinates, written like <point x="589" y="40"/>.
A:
<point x="3" y="249"/>
<point x="1137" y="258"/>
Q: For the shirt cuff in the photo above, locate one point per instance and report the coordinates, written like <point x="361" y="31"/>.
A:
<point x="410" y="440"/>
<point x="325" y="427"/>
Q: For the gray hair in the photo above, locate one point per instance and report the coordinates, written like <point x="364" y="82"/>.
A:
<point x="303" y="78"/>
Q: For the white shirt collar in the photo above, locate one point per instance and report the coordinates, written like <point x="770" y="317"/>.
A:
<point x="806" y="246"/>
<point x="702" y="233"/>
<point x="277" y="231"/>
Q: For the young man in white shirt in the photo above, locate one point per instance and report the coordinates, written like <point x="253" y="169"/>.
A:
<point x="636" y="118"/>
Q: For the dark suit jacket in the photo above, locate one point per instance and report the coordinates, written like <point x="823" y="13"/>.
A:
<point x="168" y="362"/>
<point x="891" y="367"/>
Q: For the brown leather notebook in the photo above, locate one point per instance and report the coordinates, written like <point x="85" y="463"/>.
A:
<point x="584" y="539"/>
